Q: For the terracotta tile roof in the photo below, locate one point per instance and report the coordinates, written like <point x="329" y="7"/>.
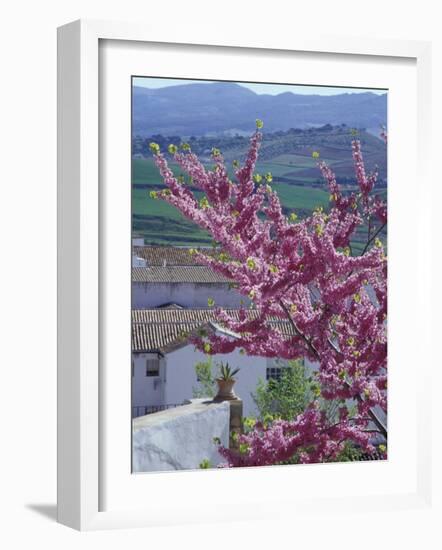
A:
<point x="149" y="338"/>
<point x="162" y="329"/>
<point x="168" y="255"/>
<point x="171" y="316"/>
<point x="177" y="274"/>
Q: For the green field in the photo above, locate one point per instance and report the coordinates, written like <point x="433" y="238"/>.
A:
<point x="144" y="171"/>
<point x="160" y="223"/>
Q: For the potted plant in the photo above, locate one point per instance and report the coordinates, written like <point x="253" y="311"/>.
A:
<point x="225" y="382"/>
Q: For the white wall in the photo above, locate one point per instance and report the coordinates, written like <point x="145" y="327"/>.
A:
<point x="177" y="378"/>
<point x="146" y="295"/>
<point x="147" y="390"/>
<point x="181" y="438"/>
<point x="138" y="262"/>
<point x="181" y="378"/>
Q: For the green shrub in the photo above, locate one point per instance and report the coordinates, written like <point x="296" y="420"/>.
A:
<point x="206" y="380"/>
<point x="287" y="397"/>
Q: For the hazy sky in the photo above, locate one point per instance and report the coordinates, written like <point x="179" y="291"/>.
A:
<point x="272" y="89"/>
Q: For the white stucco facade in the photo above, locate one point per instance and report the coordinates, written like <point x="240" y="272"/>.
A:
<point x="137" y="241"/>
<point x="189" y="295"/>
<point x="181" y="367"/>
<point x="176" y="379"/>
<point x="148" y="390"/>
<point x="138" y="262"/>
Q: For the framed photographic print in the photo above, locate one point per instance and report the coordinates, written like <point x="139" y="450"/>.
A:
<point x="224" y="269"/>
<point x="232" y="286"/>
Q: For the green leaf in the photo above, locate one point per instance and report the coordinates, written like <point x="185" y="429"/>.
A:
<point x="154" y="147"/>
<point x="205" y="464"/>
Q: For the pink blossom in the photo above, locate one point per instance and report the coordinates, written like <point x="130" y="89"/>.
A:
<point x="311" y="296"/>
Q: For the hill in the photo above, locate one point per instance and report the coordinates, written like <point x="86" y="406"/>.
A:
<point x="228" y="108"/>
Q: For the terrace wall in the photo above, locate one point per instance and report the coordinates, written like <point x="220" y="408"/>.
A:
<point x="180" y="438"/>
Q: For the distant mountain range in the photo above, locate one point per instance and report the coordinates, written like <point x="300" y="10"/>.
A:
<point x="228" y="108"/>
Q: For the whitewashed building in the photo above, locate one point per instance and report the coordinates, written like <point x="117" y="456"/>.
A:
<point x="187" y="286"/>
<point x="164" y="360"/>
<point x="164" y="275"/>
<point x="170" y="292"/>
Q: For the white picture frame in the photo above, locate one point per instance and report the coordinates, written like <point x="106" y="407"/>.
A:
<point x="81" y="445"/>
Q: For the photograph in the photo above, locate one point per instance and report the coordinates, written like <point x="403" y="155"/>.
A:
<point x="259" y="274"/>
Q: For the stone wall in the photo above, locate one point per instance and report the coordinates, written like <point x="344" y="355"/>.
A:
<point x="180" y="438"/>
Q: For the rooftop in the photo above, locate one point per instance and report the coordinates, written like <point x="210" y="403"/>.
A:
<point x="165" y="329"/>
<point x="168" y="255"/>
<point x="177" y="274"/>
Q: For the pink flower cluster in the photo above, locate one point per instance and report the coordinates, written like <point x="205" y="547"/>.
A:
<point x="309" y="295"/>
<point x="310" y="438"/>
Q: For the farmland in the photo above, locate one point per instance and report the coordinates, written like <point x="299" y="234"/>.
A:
<point x="287" y="155"/>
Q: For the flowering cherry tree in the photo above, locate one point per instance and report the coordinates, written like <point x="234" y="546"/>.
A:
<point x="309" y="294"/>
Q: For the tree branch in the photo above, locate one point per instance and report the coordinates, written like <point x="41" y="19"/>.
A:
<point x="298" y="332"/>
<point x="376" y="233"/>
<point x="373" y="416"/>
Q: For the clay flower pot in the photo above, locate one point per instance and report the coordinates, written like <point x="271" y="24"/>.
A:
<point x="225" y="390"/>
